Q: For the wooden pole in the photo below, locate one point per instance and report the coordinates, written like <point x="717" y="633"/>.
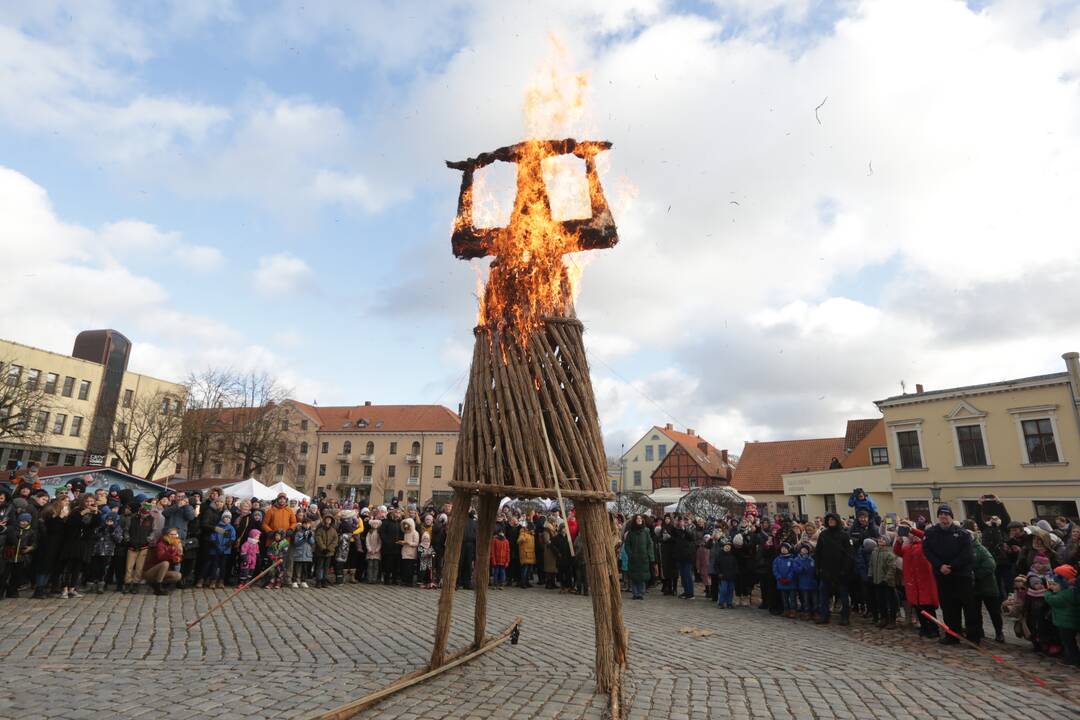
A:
<point x="240" y="589"/>
<point x="488" y="509"/>
<point x="558" y="490"/>
<point x="459" y="515"/>
<point x="459" y="658"/>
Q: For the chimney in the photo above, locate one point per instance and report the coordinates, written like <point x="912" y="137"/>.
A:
<point x="727" y="466"/>
<point x="459" y="409"/>
<point x="690" y="431"/>
<point x="367" y="403"/>
<point x="1072" y="364"/>
<point x="669" y="426"/>
<point x="918" y="387"/>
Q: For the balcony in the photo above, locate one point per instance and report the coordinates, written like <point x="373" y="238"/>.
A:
<point x="365" y="480"/>
<point x="366" y="458"/>
<point x="412" y="459"/>
<point x="344" y="457"/>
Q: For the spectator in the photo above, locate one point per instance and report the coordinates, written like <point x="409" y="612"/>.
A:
<point x="948" y="548"/>
<point x="834" y="559"/>
<point x="163" y="562"/>
<point x="326" y="537"/>
<point x="640" y="555"/>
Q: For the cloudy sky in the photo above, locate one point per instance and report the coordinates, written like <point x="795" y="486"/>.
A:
<point x="816" y="200"/>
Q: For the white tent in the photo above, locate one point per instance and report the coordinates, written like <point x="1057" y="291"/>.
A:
<point x="290" y="492"/>
<point x="251" y="488"/>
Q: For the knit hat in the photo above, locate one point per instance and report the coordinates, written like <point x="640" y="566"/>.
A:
<point x="111" y="516"/>
<point x="738" y="540"/>
<point x="1066" y="571"/>
<point x="254" y="535"/>
<point x="945" y="510"/>
<point x="226" y="517"/>
<point x="868" y="544"/>
<point x="27" y="517"/>
<point x="1043" y="525"/>
<point x="786" y="545"/>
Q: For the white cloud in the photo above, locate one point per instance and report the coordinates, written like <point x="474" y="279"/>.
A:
<point x="134" y="238"/>
<point x="348" y="189"/>
<point x="282" y="273"/>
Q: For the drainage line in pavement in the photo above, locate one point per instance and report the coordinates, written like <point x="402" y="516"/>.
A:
<point x="999" y="660"/>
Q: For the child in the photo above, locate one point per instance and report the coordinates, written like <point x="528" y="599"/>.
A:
<point x="373" y="544"/>
<point x="326" y="538"/>
<point x="249" y="556"/>
<point x="701" y="566"/>
<point x="867" y="596"/>
<point x="303" y="554"/>
<point x="1036" y="612"/>
<point x="526" y="553"/>
<point x="783" y="568"/>
<point x="277" y="550"/>
<point x="341" y="556"/>
<point x="219" y="552"/>
<point x="427" y="562"/>
<point x="807" y="581"/>
<point x="106" y="537"/>
<point x="726" y="569"/>
<point x="19" y="541"/>
<point x="883" y="576"/>
<point x="1065" y="610"/>
<point x="581" y="572"/>
<point x="410" y="541"/>
<point x="500" y="559"/>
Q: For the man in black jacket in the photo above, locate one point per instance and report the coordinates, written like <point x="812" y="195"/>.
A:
<point x="834" y="559"/>
<point x="685" y="548"/>
<point x="949" y="550"/>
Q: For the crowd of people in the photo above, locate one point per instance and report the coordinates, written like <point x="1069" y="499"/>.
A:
<point x="895" y="574"/>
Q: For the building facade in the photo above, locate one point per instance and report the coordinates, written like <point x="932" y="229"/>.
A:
<point x="1017" y="439"/>
<point x="641" y="460"/>
<point x="76" y="401"/>
<point x="360" y="453"/>
<point x="763" y="465"/>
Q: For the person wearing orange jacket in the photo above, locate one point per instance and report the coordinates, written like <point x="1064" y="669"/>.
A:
<point x="279" y="517"/>
<point x="500" y="559"/>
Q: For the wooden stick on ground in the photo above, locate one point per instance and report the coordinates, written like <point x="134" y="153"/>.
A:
<point x="239" y="590"/>
<point x="459" y="658"/>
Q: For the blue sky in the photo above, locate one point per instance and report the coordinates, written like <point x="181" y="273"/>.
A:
<point x="261" y="185"/>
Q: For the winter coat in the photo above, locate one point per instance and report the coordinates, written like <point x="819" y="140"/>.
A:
<point x="389" y="533"/>
<point x="833" y="554"/>
<point x="862" y="563"/>
<point x="684" y="544"/>
<point x="726" y="564"/>
<point x="859" y="532"/>
<point x="249" y="554"/>
<point x="920" y="586"/>
<point x="411" y="538"/>
<point x="500" y="552"/>
<point x="950" y="546"/>
<point x="277" y="518"/>
<point x="526" y="547"/>
<point x="640" y="553"/>
<point x="866" y="504"/>
<point x="667" y="550"/>
<point x="807" y="572"/>
<point x="883" y="566"/>
<point x="326" y="537"/>
<point x="985" y="572"/>
<point x="1064" y="608"/>
<point x="561" y="545"/>
<point x="784" y="569"/>
<point x="343" y="543"/>
<point x="551" y="555"/>
<point x="164" y="552"/>
<point x="19" y="543"/>
<point x="106" y="539"/>
<point x="373" y="541"/>
<point x="140" y="531"/>
<point x="701" y="562"/>
<point x="179" y="517"/>
<point x="79" y="535"/>
<point x="303" y="545"/>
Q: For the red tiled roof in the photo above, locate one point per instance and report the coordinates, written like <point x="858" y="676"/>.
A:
<point x="762" y="464"/>
<point x="708" y="460"/>
<point x="388" y="418"/>
<point x="856" y="431"/>
<point x="860" y="454"/>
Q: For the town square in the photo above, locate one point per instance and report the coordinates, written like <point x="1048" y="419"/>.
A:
<point x="613" y="360"/>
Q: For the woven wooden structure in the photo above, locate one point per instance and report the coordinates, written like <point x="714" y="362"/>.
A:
<point x="530" y="429"/>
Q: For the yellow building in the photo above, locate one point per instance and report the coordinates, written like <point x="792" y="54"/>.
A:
<point x="643" y="457"/>
<point x="76" y="400"/>
<point x="1017" y="439"/>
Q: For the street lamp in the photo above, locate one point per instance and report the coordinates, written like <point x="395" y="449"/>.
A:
<point x="935" y="494"/>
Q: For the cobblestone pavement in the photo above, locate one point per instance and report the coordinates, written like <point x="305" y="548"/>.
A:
<point x="123" y="656"/>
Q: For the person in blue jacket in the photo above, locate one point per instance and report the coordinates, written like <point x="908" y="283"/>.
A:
<point x="859" y="500"/>
<point x="806" y="581"/>
<point x="784" y="569"/>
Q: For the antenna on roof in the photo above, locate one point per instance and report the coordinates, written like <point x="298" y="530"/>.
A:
<point x="903" y="387"/>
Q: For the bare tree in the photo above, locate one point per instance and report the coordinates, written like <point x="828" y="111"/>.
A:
<point x="23" y="404"/>
<point x="210" y="392"/>
<point x="149" y="430"/>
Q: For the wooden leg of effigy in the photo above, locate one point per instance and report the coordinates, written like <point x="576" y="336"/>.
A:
<point x="454" y="534"/>
<point x="610" y="635"/>
<point x="485" y="526"/>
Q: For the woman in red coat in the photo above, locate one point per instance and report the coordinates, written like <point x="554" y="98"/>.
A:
<point x="161" y="562"/>
<point x="920" y="588"/>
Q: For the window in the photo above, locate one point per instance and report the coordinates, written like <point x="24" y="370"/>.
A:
<point x="54" y="458"/>
<point x="325" y="447"/>
<point x="416" y="448"/>
<point x="301" y="471"/>
<point x="1039" y="441"/>
<point x="910" y="455"/>
<point x="918" y="508"/>
<point x="115" y="463"/>
<point x="970" y="441"/>
<point x="438" y="447"/>
<point x="128" y="396"/>
<point x="388" y="496"/>
<point x="393" y="448"/>
<point x="391" y="471"/>
<point x="438" y="471"/>
<point x="165" y="402"/>
<point x="84" y="389"/>
<point x="303" y="425"/>
<point x="661" y="451"/>
<point x="32" y="378"/>
<point x="637" y="478"/>
<point x="217" y="469"/>
<point x="221" y="445"/>
<point x="41" y="422"/>
<point x="830" y="503"/>
<point x="121" y="431"/>
<point x="344" y="471"/>
<point x="279" y="470"/>
<point x="783" y="507"/>
<point x="14" y="457"/>
<point x="13" y="374"/>
<point x="648" y="453"/>
<point x="59" y="423"/>
<point x="177" y="410"/>
<point x="285" y="424"/>
<point x="322" y="471"/>
<point x="238" y="469"/>
<point x="665" y="482"/>
<point x="346" y="448"/>
<point x="879" y="456"/>
<point x="367" y="471"/>
<point x="69" y="460"/>
<point x="414" y="474"/>
<point x="370" y="448"/>
<point x="303" y="448"/>
<point x="1050" y="509"/>
<point x="50" y="383"/>
<point x="69" y="385"/>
